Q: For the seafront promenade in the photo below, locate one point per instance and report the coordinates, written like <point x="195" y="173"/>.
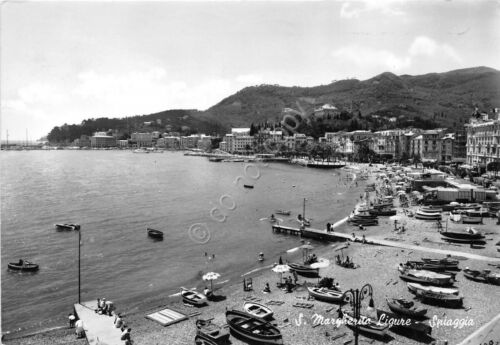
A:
<point x="332" y="236"/>
<point x="99" y="329"/>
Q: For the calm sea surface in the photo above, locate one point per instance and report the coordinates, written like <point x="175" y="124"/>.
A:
<point x="115" y="195"/>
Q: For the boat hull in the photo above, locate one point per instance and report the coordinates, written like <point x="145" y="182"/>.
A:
<point x="26" y="267"/>
<point x="258" y="310"/>
<point x="303" y="269"/>
<point x="397" y="308"/>
<point x="251" y="328"/>
<point x="329" y="296"/>
<point x="193" y="297"/>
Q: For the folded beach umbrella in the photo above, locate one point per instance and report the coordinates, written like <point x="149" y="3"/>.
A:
<point x="211" y="276"/>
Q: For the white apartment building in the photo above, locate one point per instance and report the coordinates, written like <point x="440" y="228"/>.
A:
<point x="483" y="141"/>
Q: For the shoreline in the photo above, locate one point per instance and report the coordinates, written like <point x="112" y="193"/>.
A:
<point x="477" y="307"/>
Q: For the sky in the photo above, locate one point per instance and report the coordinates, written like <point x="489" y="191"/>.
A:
<point x="63" y="62"/>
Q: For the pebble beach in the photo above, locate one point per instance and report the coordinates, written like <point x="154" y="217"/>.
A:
<point x="376" y="265"/>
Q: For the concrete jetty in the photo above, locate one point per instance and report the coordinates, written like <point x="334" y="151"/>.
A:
<point x="332" y="236"/>
<point x="99" y="329"/>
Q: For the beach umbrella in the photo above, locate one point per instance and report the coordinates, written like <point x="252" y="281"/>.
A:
<point x="211" y="276"/>
<point x="281" y="268"/>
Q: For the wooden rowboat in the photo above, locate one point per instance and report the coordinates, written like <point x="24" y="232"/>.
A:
<point x="155" y="233"/>
<point x="283" y="212"/>
<point x="208" y="333"/>
<point x="366" y="325"/>
<point x="326" y="295"/>
<point x="193" y="297"/>
<point x="258" y="310"/>
<point x="303" y="269"/>
<point x="404" y="307"/>
<point x="252" y="328"/>
<point x="24" y="266"/>
<point x="67" y="226"/>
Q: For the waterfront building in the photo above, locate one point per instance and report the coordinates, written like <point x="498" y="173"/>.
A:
<point x="427" y="145"/>
<point x="483" y="141"/>
<point x="189" y="142"/>
<point x="101" y="139"/>
<point x="447" y="142"/>
<point x="204" y="142"/>
<point x="389" y="143"/>
<point x="142" y="139"/>
<point x="168" y="142"/>
<point x="122" y="143"/>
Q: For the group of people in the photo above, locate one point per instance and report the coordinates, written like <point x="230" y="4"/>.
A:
<point x="77" y="324"/>
<point x="104" y="307"/>
<point x="119" y="323"/>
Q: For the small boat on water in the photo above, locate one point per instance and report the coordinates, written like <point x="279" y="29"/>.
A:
<point x="426" y="277"/>
<point x="155" y="233"/>
<point x="303" y="269"/>
<point x="248" y="186"/>
<point x="23" y="265"/>
<point x="253" y="328"/>
<point x="326" y="295"/>
<point x="366" y="325"/>
<point x="283" y="212"/>
<point x="208" y="333"/>
<point x="258" y="310"/>
<point x="67" y="226"/>
<point x="215" y="159"/>
<point x="193" y="297"/>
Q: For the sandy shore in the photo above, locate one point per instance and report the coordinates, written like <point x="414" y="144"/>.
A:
<point x="377" y="266"/>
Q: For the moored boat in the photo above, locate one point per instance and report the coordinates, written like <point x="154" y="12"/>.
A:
<point x="23" y="265"/>
<point x="252" y="328"/>
<point x="404" y="307"/>
<point x="283" y="212"/>
<point x="208" y="333"/>
<point x="155" y="233"/>
<point x="67" y="226"/>
<point x="248" y="186"/>
<point x="484" y="276"/>
<point x="384" y="212"/>
<point x="193" y="297"/>
<point x="466" y="236"/>
<point x="420" y="265"/>
<point x="326" y="295"/>
<point x="258" y="310"/>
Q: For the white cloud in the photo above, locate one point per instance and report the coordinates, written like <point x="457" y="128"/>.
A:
<point x="422" y="51"/>
<point x="354" y="9"/>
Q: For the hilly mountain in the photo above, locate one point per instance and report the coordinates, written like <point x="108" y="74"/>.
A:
<point x="425" y="101"/>
<point x="447" y="99"/>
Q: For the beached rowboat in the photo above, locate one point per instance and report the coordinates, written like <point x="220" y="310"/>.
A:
<point x="416" y="287"/>
<point x="208" y="333"/>
<point x="366" y="325"/>
<point x="471" y="220"/>
<point x="404" y="307"/>
<point x="193" y="297"/>
<point x="326" y="295"/>
<point x="258" y="310"/>
<point x="442" y="299"/>
<point x="426" y="277"/>
<point x="252" y="328"/>
<point x="303" y="269"/>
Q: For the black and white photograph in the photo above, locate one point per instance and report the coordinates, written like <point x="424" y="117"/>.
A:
<point x="250" y="172"/>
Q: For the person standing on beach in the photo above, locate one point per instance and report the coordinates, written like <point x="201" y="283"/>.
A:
<point x="71" y="319"/>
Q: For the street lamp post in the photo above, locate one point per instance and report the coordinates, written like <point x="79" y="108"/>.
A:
<point x="354" y="298"/>
<point x="79" y="245"/>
